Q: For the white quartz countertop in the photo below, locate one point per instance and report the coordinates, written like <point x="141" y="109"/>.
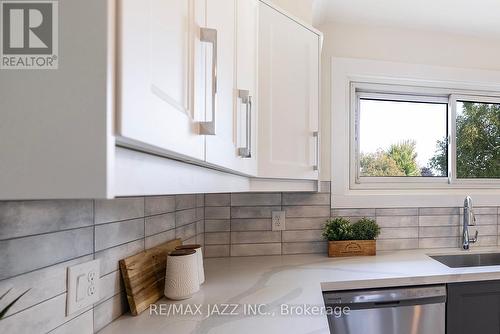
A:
<point x="276" y="285"/>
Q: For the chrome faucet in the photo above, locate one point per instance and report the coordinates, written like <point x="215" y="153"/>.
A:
<point x="469" y="220"/>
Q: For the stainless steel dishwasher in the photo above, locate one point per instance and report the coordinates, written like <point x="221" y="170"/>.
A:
<point x="408" y="310"/>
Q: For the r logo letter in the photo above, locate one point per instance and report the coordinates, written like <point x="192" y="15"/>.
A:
<point x="35" y="21"/>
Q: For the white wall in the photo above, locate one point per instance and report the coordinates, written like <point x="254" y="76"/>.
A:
<point x="397" y="45"/>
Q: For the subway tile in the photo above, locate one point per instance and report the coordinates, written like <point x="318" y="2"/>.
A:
<point x="443" y="220"/>
<point x="353" y="212"/>
<point x="253" y="212"/>
<point x="185" y="217"/>
<point x="214" y="225"/>
<point x="483" y="219"/>
<point x="438" y="231"/>
<point x="306" y="198"/>
<point x="397" y="221"/>
<point x="217" y="200"/>
<point x="109" y="258"/>
<point x="160" y="238"/>
<point x="216" y="238"/>
<point x="110" y="285"/>
<point x="200" y="213"/>
<point x="222" y="212"/>
<point x="24" y="218"/>
<point x="356" y="219"/>
<point x="43" y="284"/>
<point x="484" y="230"/>
<point x="396" y="212"/>
<point x="185" y="232"/>
<point x="200" y="227"/>
<point x="156" y="205"/>
<point x="256" y="224"/>
<point x="305" y="223"/>
<point x="304" y="235"/>
<point x="183" y="202"/>
<point x="113" y="210"/>
<point x="305" y="247"/>
<point x="200" y="240"/>
<point x="307" y="211"/>
<point x="255" y="237"/>
<point x="398" y="233"/>
<point x="256" y="249"/>
<point x="40" y="318"/>
<point x="438" y="211"/>
<point x="160" y="223"/>
<point x="190" y="241"/>
<point x="449" y="242"/>
<point x="114" y="234"/>
<point x="200" y="200"/>
<point x="216" y="250"/>
<point x="109" y="310"/>
<point x="255" y="199"/>
<point x="82" y="324"/>
<point x="484" y="210"/>
<point x="396" y="244"/>
<point x="485" y="241"/>
<point x="29" y="253"/>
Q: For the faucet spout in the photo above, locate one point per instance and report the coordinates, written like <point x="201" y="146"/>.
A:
<point x="468" y="220"/>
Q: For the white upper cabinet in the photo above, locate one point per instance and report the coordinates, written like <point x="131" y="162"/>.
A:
<point x="289" y="56"/>
<point x="157" y="71"/>
<point x="230" y="146"/>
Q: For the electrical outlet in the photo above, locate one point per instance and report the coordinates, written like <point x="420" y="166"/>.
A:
<point x="278" y="221"/>
<point x="83" y="286"/>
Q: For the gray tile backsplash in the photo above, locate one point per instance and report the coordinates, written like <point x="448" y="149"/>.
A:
<point x="40" y="239"/>
<point x="240" y="224"/>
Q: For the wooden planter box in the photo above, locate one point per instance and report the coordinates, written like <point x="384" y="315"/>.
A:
<point x="352" y="248"/>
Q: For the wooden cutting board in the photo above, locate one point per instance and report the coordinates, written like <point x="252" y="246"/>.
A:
<point x="144" y="275"/>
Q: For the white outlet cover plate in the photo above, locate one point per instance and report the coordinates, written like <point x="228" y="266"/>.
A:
<point x="83" y="286"/>
<point x="278" y="220"/>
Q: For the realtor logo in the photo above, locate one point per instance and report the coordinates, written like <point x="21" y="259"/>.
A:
<point x="29" y="34"/>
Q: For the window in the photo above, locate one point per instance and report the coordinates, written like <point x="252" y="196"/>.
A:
<point x="404" y="137"/>
<point x="477" y="140"/>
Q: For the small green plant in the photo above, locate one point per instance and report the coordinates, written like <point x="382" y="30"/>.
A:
<point x="3" y="311"/>
<point x="365" y="229"/>
<point x="337" y="229"/>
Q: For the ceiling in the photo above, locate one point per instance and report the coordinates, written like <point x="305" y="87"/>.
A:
<point x="471" y="17"/>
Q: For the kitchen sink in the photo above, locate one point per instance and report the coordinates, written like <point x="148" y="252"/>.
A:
<point x="469" y="260"/>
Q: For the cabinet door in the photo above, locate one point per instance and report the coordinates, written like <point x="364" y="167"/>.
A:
<point x="288" y="97"/>
<point x="222" y="148"/>
<point x="156" y="74"/>
<point x="246" y="83"/>
<point x="473" y="308"/>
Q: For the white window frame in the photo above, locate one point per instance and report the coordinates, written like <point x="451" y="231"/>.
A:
<point x="359" y="90"/>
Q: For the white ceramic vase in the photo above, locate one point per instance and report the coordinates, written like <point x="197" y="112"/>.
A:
<point x="199" y="254"/>
<point x="181" y="277"/>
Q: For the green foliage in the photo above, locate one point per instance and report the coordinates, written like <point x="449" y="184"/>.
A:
<point x="439" y="161"/>
<point x="3" y="311"/>
<point x="365" y="229"/>
<point x="379" y="164"/>
<point x="399" y="160"/>
<point x="337" y="229"/>
<point x="478" y="143"/>
<point x="404" y="155"/>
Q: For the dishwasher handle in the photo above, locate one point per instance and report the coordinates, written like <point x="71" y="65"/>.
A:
<point x="380" y="297"/>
